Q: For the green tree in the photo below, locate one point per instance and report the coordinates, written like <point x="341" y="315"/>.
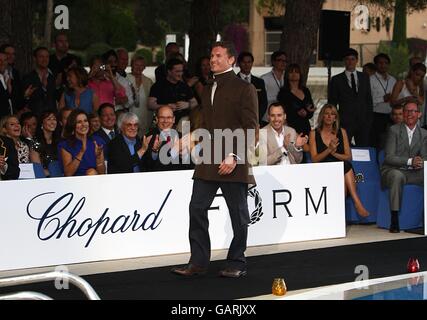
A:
<point x="15" y="29"/>
<point x="400" y="8"/>
<point x="300" y="28"/>
<point x="203" y="29"/>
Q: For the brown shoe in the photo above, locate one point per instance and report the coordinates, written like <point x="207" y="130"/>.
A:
<point x="189" y="270"/>
<point x="232" y="273"/>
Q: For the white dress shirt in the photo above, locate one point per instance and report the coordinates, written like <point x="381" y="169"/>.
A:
<point x="272" y="86"/>
<point x="246" y="77"/>
<point x="280" y="137"/>
<point x="381" y="86"/>
<point x="348" y="75"/>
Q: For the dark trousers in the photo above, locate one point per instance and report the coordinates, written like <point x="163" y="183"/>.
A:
<point x="235" y="195"/>
<point x="379" y="129"/>
<point x="361" y="135"/>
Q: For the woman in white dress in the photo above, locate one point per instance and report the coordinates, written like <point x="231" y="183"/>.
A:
<point x="140" y="85"/>
<point x="411" y="89"/>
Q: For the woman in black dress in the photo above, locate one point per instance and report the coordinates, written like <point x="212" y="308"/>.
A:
<point x="329" y="143"/>
<point x="297" y="100"/>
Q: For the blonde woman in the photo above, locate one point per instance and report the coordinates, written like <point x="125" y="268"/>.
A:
<point x="329" y="143"/>
<point x="10" y="127"/>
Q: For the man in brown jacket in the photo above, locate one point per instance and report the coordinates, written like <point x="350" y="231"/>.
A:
<point x="229" y="103"/>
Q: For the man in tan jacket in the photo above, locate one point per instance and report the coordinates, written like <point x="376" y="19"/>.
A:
<point x="283" y="144"/>
<point x="229" y="103"/>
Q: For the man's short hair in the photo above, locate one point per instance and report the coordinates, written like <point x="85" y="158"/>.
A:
<point x="125" y="118"/>
<point x="121" y="50"/>
<point x="277" y="54"/>
<point x="38" y="49"/>
<point x="229" y="46"/>
<point x="413" y="60"/>
<point x="370" y="66"/>
<point x="104" y="106"/>
<point x="60" y="33"/>
<point x="172" y="63"/>
<point x="351" y="52"/>
<point x="275" y="105"/>
<point x="244" y="54"/>
<point x="382" y="56"/>
<point x="170" y="44"/>
<point x="406" y="104"/>
<point x="108" y="54"/>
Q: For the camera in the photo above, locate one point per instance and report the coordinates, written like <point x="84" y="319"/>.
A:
<point x="102" y="67"/>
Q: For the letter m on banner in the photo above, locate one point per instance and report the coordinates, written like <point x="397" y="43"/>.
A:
<point x="316" y="207"/>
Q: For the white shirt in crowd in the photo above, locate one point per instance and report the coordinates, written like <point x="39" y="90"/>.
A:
<point x="381" y="86"/>
<point x="272" y="86"/>
<point x="280" y="137"/>
<point x="125" y="83"/>
<point x="348" y="75"/>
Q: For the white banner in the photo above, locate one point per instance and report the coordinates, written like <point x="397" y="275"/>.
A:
<point x="56" y="221"/>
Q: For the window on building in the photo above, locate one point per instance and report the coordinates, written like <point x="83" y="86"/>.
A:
<point x="272" y="43"/>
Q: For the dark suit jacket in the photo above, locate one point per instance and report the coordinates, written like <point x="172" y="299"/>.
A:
<point x="13" y="170"/>
<point x="355" y="110"/>
<point x="4" y="101"/>
<point x="262" y="97"/>
<point x="106" y="139"/>
<point x="119" y="158"/>
<point x="150" y="164"/>
<point x="17" y="91"/>
<point x="235" y="107"/>
<point x="41" y="100"/>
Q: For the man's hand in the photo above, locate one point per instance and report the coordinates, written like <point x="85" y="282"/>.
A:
<point x="2" y="162"/>
<point x="29" y="91"/>
<point x="310" y="108"/>
<point x="156" y="145"/>
<point x="98" y="149"/>
<point x="180" y="105"/>
<point x="302" y="113"/>
<point x="227" y="166"/>
<point x="301" y="140"/>
<point x="287" y="141"/>
<point x="417" y="162"/>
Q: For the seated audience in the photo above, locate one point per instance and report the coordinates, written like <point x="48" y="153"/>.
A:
<point x="9" y="165"/>
<point x="47" y="139"/>
<point x="108" y="129"/>
<point x="284" y="145"/>
<point x="405" y="153"/>
<point x="94" y="123"/>
<point x="10" y="127"/>
<point x="63" y="115"/>
<point x="28" y="122"/>
<point x="126" y="150"/>
<point x="329" y="143"/>
<point x="164" y="150"/>
<point x="80" y="154"/>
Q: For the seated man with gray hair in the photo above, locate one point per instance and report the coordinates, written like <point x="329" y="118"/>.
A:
<point x="126" y="150"/>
